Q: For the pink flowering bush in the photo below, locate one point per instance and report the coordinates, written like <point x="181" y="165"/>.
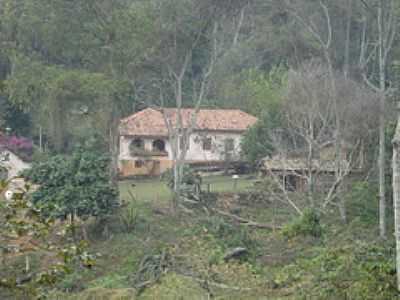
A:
<point x="19" y="145"/>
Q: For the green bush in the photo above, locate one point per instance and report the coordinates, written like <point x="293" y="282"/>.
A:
<point x="227" y="235"/>
<point x="77" y="185"/>
<point x="189" y="178"/>
<point x="306" y="225"/>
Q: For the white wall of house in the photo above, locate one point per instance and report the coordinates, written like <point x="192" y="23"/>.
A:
<point x="196" y="151"/>
<point x="12" y="163"/>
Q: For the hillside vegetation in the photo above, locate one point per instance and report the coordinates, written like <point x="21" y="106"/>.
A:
<point x="315" y="211"/>
<point x="164" y="256"/>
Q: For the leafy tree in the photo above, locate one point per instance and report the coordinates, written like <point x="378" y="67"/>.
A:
<point x="83" y="56"/>
<point x="264" y="94"/>
<point x="76" y="185"/>
<point x="257" y="142"/>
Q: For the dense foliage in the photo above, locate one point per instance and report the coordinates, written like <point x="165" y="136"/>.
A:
<point x="28" y="236"/>
<point x="360" y="271"/>
<point x="307" y="224"/>
<point x="77" y="185"/>
<point x="258" y="141"/>
<point x="190" y="177"/>
<point x="66" y="78"/>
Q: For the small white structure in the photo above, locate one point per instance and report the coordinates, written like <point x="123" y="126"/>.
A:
<point x="12" y="164"/>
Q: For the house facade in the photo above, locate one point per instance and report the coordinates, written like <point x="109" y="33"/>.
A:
<point x="145" y="147"/>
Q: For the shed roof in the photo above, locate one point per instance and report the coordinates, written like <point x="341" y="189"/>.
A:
<point x="278" y="163"/>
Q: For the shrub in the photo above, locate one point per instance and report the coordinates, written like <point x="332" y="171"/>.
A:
<point x="227" y="235"/>
<point x="76" y="185"/>
<point x="42" y="240"/>
<point x="129" y="217"/>
<point x="307" y="224"/>
<point x="357" y="271"/>
<point x="257" y="142"/>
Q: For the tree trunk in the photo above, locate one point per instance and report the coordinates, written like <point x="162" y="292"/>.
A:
<point x="381" y="169"/>
<point x="114" y="151"/>
<point x="396" y="196"/>
<point x="311" y="183"/>
<point x="387" y="30"/>
<point x="338" y="139"/>
<point x="72" y="224"/>
<point x="177" y="186"/>
<point x="382" y="99"/>
<point x="348" y="39"/>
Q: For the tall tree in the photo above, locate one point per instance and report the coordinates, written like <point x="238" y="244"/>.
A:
<point x="396" y="194"/>
<point x="384" y="20"/>
<point x="324" y="39"/>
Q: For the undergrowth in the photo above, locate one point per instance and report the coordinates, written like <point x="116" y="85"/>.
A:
<point x="358" y="271"/>
<point x="313" y="256"/>
<point x="307" y="224"/>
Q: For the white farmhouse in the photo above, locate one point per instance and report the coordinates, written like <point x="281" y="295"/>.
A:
<point x="145" y="147"/>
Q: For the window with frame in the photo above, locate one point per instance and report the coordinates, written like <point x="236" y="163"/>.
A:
<point x="207" y="144"/>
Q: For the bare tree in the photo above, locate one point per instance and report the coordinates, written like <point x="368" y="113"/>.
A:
<point x="309" y="130"/>
<point x="396" y="195"/>
<point x="377" y="51"/>
<point x="324" y="39"/>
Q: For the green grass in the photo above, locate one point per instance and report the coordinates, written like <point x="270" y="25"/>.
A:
<point x="221" y="184"/>
<point x="155" y="190"/>
<point x="145" y="190"/>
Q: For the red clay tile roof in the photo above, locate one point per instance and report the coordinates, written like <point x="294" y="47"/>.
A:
<point x="150" y="122"/>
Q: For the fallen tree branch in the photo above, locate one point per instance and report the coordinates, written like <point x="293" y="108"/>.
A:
<point x="246" y="222"/>
<point x="151" y="268"/>
<point x="216" y="284"/>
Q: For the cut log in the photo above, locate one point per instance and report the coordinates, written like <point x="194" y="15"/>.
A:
<point x="235" y="253"/>
<point x="246" y="222"/>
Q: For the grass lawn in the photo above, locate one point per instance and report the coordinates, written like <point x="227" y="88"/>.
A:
<point x="156" y="190"/>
